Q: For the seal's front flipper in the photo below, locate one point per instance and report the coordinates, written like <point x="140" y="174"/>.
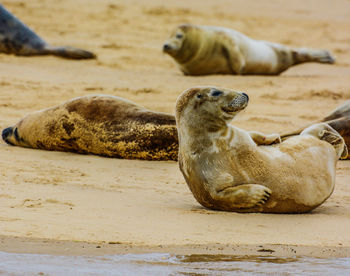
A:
<point x="235" y="59"/>
<point x="262" y="139"/>
<point x="71" y="52"/>
<point x="243" y="196"/>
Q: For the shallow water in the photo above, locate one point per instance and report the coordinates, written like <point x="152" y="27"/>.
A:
<point x="168" y="264"/>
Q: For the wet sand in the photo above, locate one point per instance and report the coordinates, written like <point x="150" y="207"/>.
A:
<point x="53" y="198"/>
<point x="159" y="264"/>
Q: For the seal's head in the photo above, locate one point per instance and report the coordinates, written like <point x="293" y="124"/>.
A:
<point x="7" y="133"/>
<point x="209" y="106"/>
<point x="182" y="43"/>
<point x="11" y="136"/>
<point x="14" y="135"/>
<point x="175" y="42"/>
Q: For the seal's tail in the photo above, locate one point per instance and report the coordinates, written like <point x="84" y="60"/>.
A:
<point x="309" y="55"/>
<point x="70" y="52"/>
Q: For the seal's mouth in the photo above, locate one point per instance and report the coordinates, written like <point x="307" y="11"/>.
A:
<point x="233" y="108"/>
<point x="228" y="110"/>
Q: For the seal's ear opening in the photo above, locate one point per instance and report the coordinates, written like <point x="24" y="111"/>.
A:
<point x="345" y="152"/>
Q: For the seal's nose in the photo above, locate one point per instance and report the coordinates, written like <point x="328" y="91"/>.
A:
<point x="6" y="133"/>
<point x="166" y="47"/>
<point x="244" y="94"/>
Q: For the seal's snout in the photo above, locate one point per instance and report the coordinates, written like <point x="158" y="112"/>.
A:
<point x="239" y="102"/>
<point x="244" y="94"/>
<point x="6" y="133"/>
<point x="166" y="47"/>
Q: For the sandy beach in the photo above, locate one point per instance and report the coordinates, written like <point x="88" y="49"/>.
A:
<point x="65" y="203"/>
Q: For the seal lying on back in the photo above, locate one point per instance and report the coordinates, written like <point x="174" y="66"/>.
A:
<point x="16" y="38"/>
<point x="339" y="120"/>
<point x="102" y="125"/>
<point x="203" y="50"/>
<point x="227" y="168"/>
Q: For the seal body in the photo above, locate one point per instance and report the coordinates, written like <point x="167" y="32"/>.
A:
<point x="230" y="169"/>
<point x="202" y="50"/>
<point x="16" y="38"/>
<point x="339" y="119"/>
<point x="102" y="125"/>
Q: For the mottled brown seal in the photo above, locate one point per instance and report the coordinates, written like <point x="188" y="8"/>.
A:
<point x="16" y="38"/>
<point x="228" y="169"/>
<point x="339" y="119"/>
<point x="203" y="50"/>
<point x="102" y="125"/>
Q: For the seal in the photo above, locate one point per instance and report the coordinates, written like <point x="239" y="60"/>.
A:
<point x="203" y="50"/>
<point x="98" y="124"/>
<point x="339" y="119"/>
<point x="16" y="38"/>
<point x="230" y="169"/>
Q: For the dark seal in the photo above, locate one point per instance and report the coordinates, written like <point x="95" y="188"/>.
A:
<point x="16" y="38"/>
<point x="103" y="125"/>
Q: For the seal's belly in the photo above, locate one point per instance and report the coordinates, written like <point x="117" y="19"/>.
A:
<point x="260" y="58"/>
<point x="305" y="177"/>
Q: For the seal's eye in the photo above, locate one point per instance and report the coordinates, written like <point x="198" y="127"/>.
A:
<point x="179" y="36"/>
<point x="199" y="96"/>
<point x="216" y="93"/>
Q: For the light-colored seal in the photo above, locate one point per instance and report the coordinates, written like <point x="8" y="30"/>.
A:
<point x="339" y="120"/>
<point x="102" y="125"/>
<point x="203" y="50"/>
<point x="230" y="169"/>
<point x="16" y="38"/>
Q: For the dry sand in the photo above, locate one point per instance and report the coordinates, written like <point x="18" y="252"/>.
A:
<point x="52" y="200"/>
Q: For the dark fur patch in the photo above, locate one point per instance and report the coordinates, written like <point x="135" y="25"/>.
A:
<point x="16" y="135"/>
<point x="100" y="110"/>
<point x="68" y="127"/>
<point x="40" y="145"/>
<point x="155" y="118"/>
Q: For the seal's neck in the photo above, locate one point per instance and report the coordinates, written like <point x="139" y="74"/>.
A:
<point x="198" y="135"/>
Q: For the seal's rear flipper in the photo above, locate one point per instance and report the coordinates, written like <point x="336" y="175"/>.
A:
<point x="336" y="141"/>
<point x="325" y="132"/>
<point x="71" y="52"/>
<point x="309" y="55"/>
